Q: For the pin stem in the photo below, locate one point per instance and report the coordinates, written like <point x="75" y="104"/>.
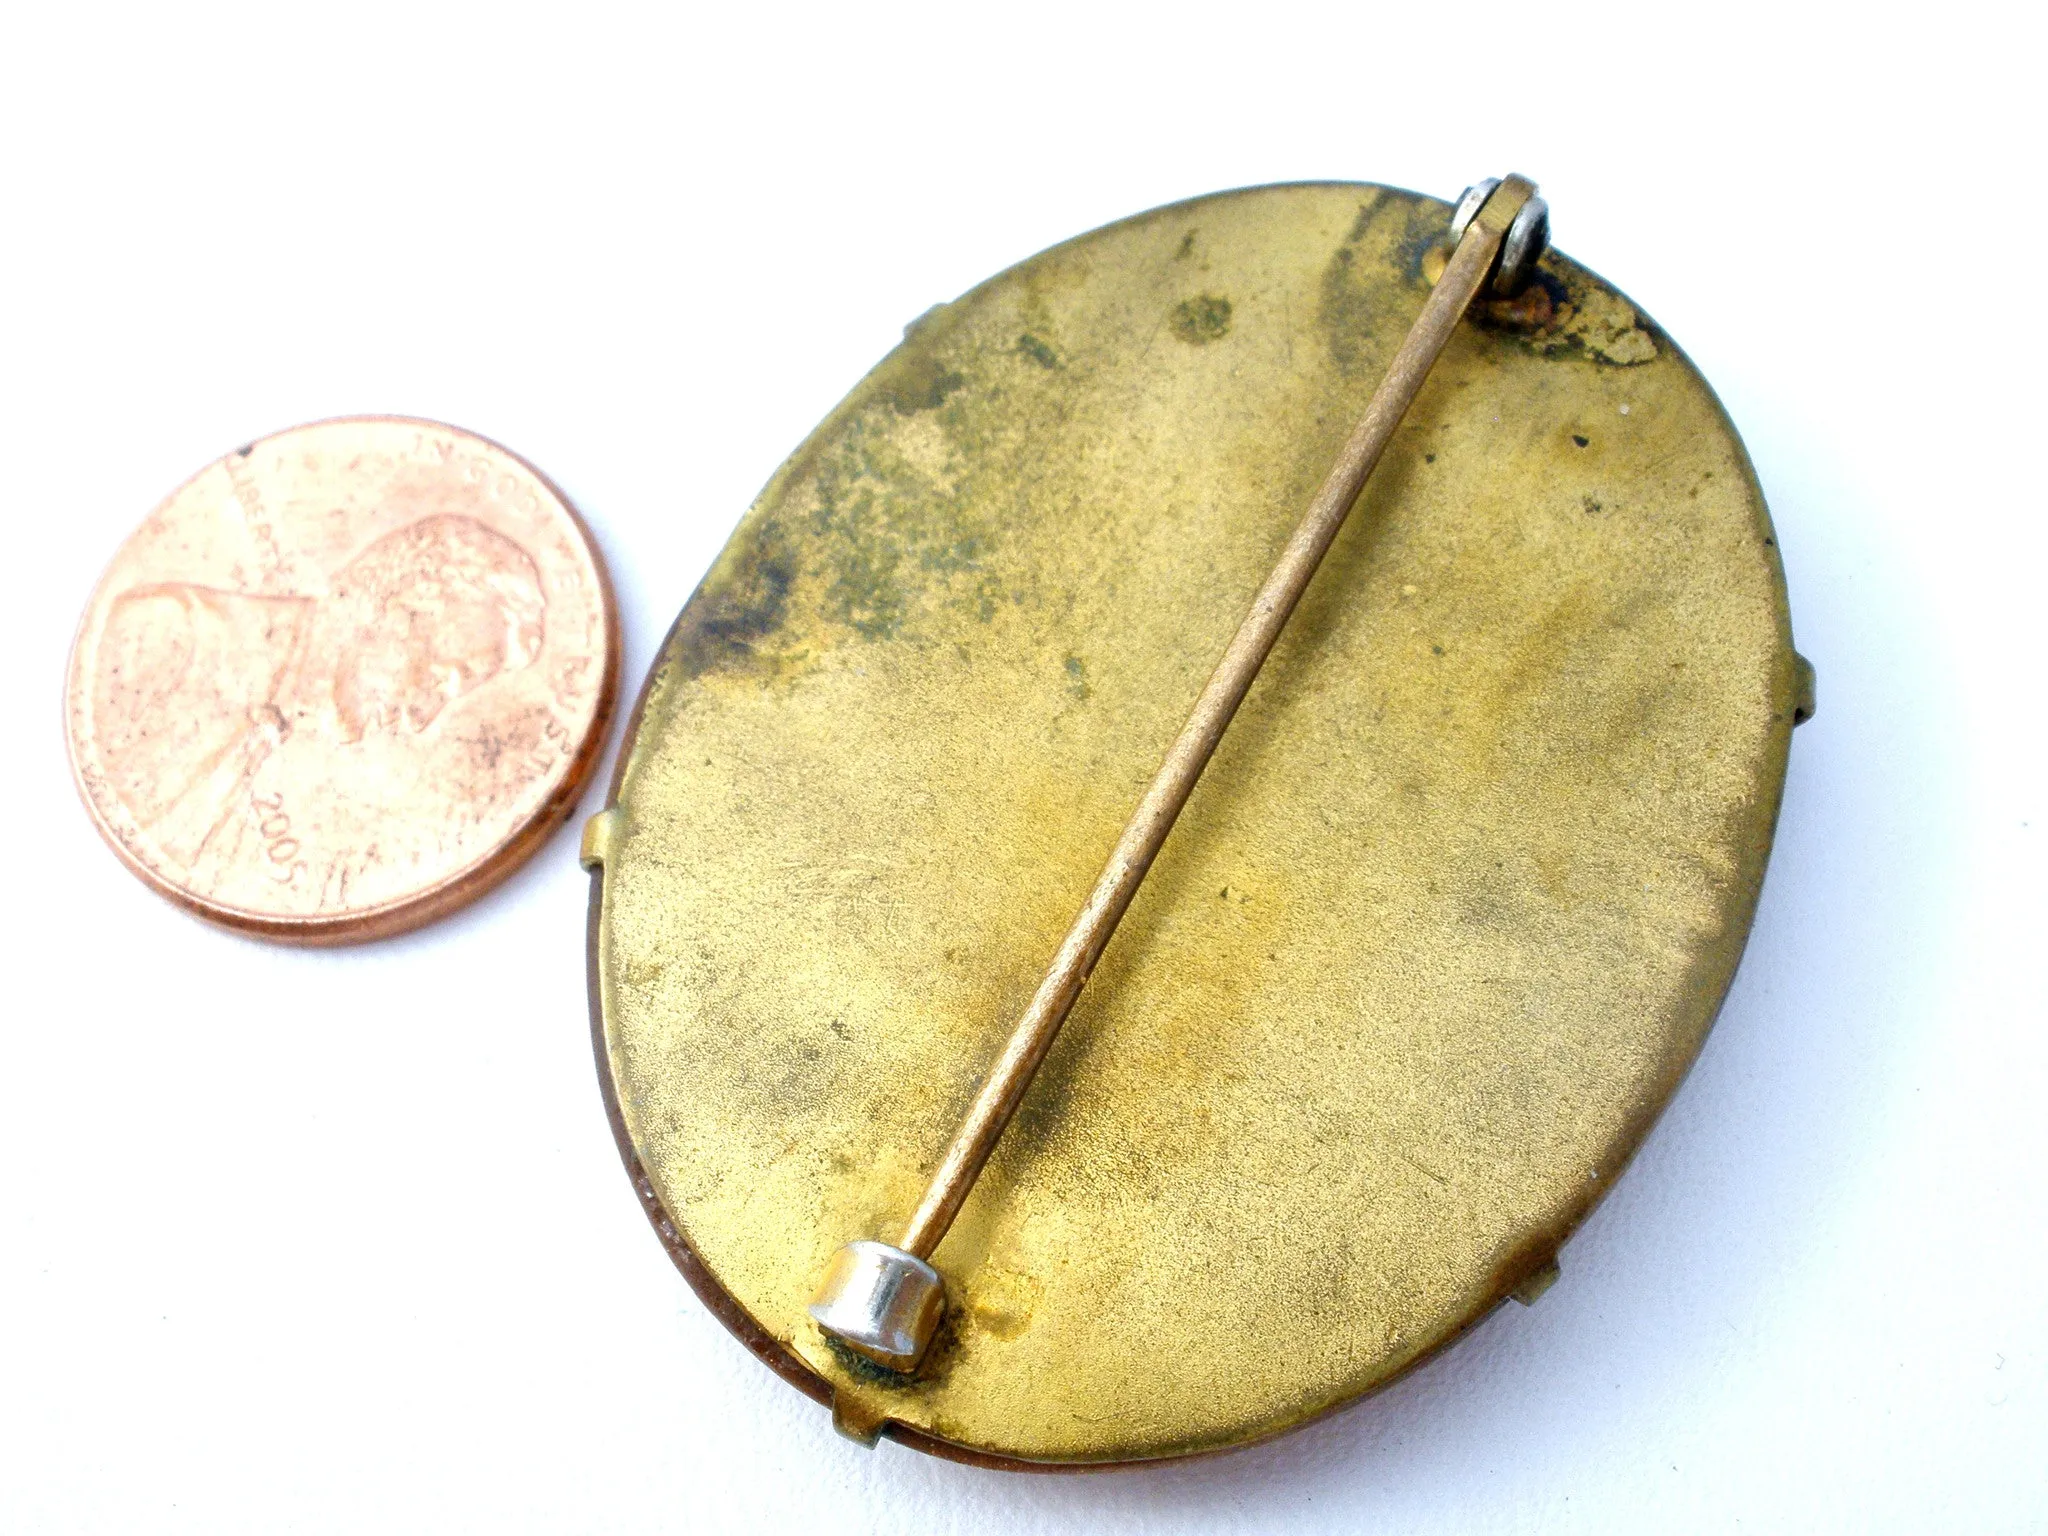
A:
<point x="1008" y="1079"/>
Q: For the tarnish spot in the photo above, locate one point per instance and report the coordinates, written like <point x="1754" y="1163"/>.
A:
<point x="1608" y="327"/>
<point x="1040" y="352"/>
<point x="922" y="384"/>
<point x="1558" y="311"/>
<point x="897" y="528"/>
<point x="1381" y="257"/>
<point x="742" y="601"/>
<point x="1201" y="320"/>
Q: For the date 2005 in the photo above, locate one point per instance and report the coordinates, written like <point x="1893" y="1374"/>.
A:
<point x="280" y="848"/>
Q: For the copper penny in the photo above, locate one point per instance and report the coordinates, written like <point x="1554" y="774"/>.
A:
<point x="344" y="680"/>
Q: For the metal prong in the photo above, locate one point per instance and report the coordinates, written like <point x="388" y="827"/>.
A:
<point x="1536" y="1282"/>
<point x="599" y="833"/>
<point x="882" y="1302"/>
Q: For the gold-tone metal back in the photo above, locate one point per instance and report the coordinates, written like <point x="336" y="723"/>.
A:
<point x="1436" y="936"/>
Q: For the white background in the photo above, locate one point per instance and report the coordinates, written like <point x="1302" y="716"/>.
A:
<point x="339" y="1241"/>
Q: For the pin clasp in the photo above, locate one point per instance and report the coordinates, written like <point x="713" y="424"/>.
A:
<point x="881" y="1302"/>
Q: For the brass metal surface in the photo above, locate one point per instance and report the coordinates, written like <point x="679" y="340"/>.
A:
<point x="1438" y="932"/>
<point x="1479" y="251"/>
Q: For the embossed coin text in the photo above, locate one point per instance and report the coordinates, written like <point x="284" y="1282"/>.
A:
<point x="344" y="680"/>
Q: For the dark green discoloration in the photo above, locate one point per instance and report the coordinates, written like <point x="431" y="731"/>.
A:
<point x="1077" y="678"/>
<point x="922" y="383"/>
<point x="1201" y="320"/>
<point x="1038" y="351"/>
<point x="1364" y="219"/>
<point x="861" y="1368"/>
<point x="887" y="522"/>
<point x="887" y="528"/>
<point x="740" y="603"/>
<point x="1379" y="261"/>
<point x="1426" y="230"/>
<point x="938" y="1355"/>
